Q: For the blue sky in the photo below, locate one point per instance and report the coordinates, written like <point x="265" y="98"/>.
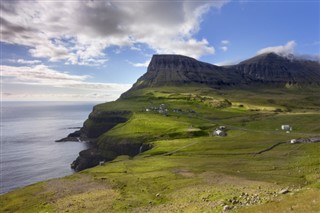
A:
<point x="95" y="50"/>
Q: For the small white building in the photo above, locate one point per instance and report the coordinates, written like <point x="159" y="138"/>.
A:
<point x="286" y="127"/>
<point x="293" y="141"/>
<point x="219" y="132"/>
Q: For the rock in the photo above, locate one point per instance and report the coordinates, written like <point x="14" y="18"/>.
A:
<point x="226" y="207"/>
<point x="158" y="195"/>
<point x="87" y="158"/>
<point x="284" y="191"/>
<point x="76" y="136"/>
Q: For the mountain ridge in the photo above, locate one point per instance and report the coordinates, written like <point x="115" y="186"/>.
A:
<point x="264" y="68"/>
<point x="274" y="68"/>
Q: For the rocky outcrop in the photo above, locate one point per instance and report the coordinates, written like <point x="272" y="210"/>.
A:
<point x="87" y="159"/>
<point x="100" y="121"/>
<point x="76" y="136"/>
<point x="93" y="156"/>
<point x="115" y="147"/>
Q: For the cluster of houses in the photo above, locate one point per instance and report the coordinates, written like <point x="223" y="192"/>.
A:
<point x="163" y="109"/>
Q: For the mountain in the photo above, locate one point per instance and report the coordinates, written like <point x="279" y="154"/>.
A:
<point x="178" y="69"/>
<point x="272" y="68"/>
<point x="266" y="68"/>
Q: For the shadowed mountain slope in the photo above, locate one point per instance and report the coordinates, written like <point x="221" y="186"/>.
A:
<point x="273" y="68"/>
<point x="175" y="70"/>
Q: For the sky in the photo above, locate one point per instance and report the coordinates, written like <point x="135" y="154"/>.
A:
<point x="95" y="50"/>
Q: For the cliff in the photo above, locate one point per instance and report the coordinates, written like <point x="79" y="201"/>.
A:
<point x="178" y="69"/>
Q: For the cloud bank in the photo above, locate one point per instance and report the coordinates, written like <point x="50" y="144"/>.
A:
<point x="282" y="50"/>
<point x="78" y="32"/>
<point x="42" y="75"/>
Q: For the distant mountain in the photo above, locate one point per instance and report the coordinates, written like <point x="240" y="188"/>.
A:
<point x="272" y="68"/>
<point x="266" y="68"/>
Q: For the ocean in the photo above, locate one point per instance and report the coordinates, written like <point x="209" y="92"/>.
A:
<point x="29" y="153"/>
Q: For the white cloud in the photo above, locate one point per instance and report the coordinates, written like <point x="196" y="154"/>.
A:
<point x="283" y="50"/>
<point x="79" y="31"/>
<point x="225" y="42"/>
<point x="85" y="96"/>
<point x="224" y="48"/>
<point x="23" y="61"/>
<point x="43" y="75"/>
<point x="228" y="62"/>
<point x="144" y="64"/>
<point x="224" y="45"/>
<point x="40" y="74"/>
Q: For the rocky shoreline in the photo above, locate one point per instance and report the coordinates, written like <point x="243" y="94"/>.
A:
<point x="93" y="156"/>
<point x="76" y="136"/>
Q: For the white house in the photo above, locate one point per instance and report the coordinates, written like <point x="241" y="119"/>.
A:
<point x="219" y="132"/>
<point x="293" y="141"/>
<point x="286" y="127"/>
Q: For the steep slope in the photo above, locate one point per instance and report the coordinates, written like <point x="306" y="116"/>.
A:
<point x="178" y="69"/>
<point x="175" y="70"/>
<point x="272" y="68"/>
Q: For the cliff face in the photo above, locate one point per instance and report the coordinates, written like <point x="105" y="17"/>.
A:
<point x="266" y="68"/>
<point x="100" y="122"/>
<point x="177" y="69"/>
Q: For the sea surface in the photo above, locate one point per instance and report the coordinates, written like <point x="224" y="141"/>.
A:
<point x="29" y="153"/>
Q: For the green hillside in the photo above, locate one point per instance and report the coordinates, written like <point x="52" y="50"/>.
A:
<point x="188" y="169"/>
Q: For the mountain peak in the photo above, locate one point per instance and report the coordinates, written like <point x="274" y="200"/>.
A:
<point x="266" y="58"/>
<point x="273" y="68"/>
<point x="166" y="61"/>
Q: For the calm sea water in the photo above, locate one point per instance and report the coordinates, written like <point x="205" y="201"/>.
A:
<point x="28" y="131"/>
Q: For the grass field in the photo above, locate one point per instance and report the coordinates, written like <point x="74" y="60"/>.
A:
<point x="188" y="169"/>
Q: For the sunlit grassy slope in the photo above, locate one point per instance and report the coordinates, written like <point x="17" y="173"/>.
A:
<point x="188" y="169"/>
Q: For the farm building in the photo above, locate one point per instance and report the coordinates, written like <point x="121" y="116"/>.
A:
<point x="293" y="141"/>
<point x="286" y="127"/>
<point x="219" y="132"/>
